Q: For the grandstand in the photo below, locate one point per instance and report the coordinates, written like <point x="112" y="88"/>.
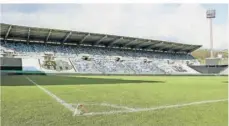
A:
<point x="96" y="53"/>
<point x="92" y="53"/>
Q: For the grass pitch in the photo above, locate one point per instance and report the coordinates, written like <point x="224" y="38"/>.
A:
<point x="24" y="104"/>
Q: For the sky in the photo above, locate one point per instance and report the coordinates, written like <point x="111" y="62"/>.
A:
<point x="182" y="23"/>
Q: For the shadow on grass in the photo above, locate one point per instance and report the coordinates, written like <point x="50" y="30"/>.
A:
<point x="225" y="82"/>
<point x="21" y="80"/>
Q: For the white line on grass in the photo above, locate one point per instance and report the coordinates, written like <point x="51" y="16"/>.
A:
<point x="108" y="105"/>
<point x="117" y="106"/>
<point x="62" y="102"/>
<point x="152" y="109"/>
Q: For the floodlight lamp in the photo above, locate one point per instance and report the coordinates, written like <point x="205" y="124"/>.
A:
<point x="210" y="13"/>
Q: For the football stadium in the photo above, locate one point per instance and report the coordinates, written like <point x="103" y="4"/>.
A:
<point x="60" y="77"/>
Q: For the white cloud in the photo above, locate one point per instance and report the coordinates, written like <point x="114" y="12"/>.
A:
<point x="185" y="23"/>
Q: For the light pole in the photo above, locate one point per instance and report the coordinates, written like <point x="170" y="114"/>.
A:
<point x="210" y="15"/>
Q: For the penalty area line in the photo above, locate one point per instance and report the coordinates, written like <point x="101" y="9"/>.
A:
<point x="152" y="109"/>
<point x="59" y="100"/>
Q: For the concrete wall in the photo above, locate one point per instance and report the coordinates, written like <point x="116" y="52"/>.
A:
<point x="204" y="69"/>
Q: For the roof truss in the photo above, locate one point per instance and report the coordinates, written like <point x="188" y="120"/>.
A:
<point x="115" y="41"/>
<point x="155" y="45"/>
<point x="47" y="38"/>
<point x="167" y="47"/>
<point x="194" y="49"/>
<point x="28" y="36"/>
<point x="187" y="47"/>
<point x="66" y="37"/>
<point x="141" y="44"/>
<point x="8" y="32"/>
<point x="130" y="42"/>
<point x="84" y="38"/>
<point x="100" y="40"/>
<point x="151" y="45"/>
<point x="177" y="48"/>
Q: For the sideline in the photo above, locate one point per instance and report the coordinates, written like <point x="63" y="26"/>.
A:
<point x="62" y="102"/>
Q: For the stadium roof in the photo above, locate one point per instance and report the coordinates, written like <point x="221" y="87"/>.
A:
<point x="47" y="35"/>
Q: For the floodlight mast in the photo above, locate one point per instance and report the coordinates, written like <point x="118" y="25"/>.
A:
<point x="210" y="15"/>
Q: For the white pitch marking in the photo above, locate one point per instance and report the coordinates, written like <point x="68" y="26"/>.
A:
<point x="117" y="106"/>
<point x="62" y="102"/>
<point x="108" y="105"/>
<point x="152" y="109"/>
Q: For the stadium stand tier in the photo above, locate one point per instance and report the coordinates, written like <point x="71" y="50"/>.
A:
<point x="61" y="51"/>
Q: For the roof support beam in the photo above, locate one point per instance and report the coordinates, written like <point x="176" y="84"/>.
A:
<point x="165" y="47"/>
<point x="28" y="36"/>
<point x="194" y="48"/>
<point x="47" y="38"/>
<point x="155" y="44"/>
<point x="100" y="40"/>
<point x="137" y="45"/>
<point x="188" y="47"/>
<point x="84" y="38"/>
<point x="178" y="48"/>
<point x="8" y="32"/>
<point x="130" y="42"/>
<point x="142" y="43"/>
<point x="66" y="37"/>
<point x="115" y="41"/>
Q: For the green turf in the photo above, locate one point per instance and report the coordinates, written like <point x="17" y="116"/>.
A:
<point x="24" y="104"/>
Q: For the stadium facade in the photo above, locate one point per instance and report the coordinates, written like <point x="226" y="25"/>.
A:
<point x="31" y="49"/>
